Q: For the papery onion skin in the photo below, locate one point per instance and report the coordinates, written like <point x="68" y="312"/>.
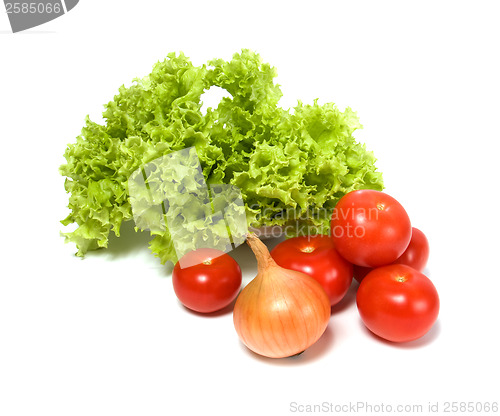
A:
<point x="281" y="312"/>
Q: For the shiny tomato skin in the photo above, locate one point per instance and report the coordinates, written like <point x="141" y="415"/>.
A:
<point x="370" y="228"/>
<point x="317" y="257"/>
<point x="415" y="255"/>
<point x="397" y="303"/>
<point x="417" y="252"/>
<point x="210" y="282"/>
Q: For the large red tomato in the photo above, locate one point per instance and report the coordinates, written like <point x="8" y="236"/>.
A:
<point x="416" y="255"/>
<point x="316" y="256"/>
<point x="210" y="282"/>
<point x="397" y="303"/>
<point x="370" y="228"/>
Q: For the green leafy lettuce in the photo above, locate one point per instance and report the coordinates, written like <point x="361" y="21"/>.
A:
<point x="290" y="166"/>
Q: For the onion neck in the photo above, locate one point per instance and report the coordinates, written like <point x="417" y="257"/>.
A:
<point x="264" y="259"/>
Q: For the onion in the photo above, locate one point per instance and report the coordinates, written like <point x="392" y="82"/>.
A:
<point x="281" y="312"/>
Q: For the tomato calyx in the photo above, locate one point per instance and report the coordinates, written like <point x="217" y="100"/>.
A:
<point x="401" y="279"/>
<point x="308" y="249"/>
<point x="207" y="261"/>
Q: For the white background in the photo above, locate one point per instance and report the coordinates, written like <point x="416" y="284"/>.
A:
<point x="107" y="336"/>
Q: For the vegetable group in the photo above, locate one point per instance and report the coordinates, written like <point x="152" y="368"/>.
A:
<point x="301" y="170"/>
<point x="281" y="312"/>
<point x="286" y="307"/>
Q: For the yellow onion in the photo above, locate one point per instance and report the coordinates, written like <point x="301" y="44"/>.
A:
<point x="280" y="312"/>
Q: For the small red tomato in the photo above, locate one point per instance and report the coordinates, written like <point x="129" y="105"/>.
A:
<point x="316" y="256"/>
<point x="397" y="303"/>
<point x="370" y="228"/>
<point x="210" y="282"/>
<point x="416" y="255"/>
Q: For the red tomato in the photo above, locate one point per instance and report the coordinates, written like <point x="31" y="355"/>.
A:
<point x="370" y="228"/>
<point x="210" y="283"/>
<point x="397" y="303"/>
<point x="416" y="255"/>
<point x="316" y="256"/>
